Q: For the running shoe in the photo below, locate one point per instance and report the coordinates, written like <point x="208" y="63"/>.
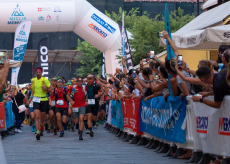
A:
<point x="72" y="128"/>
<point x="48" y="130"/>
<point x="31" y="123"/>
<point x="18" y="130"/>
<point x="80" y="137"/>
<point x="91" y="134"/>
<point x="55" y="132"/>
<point x="87" y="131"/>
<point x="33" y="129"/>
<point x="41" y="133"/>
<point x="100" y="122"/>
<point x="95" y="127"/>
<point x="97" y="123"/>
<point x="61" y="134"/>
<point x="68" y="127"/>
<point x="46" y="126"/>
<point x="65" y="127"/>
<point x="38" y="136"/>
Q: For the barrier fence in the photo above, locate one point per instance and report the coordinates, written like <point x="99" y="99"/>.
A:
<point x="6" y="116"/>
<point x="187" y="124"/>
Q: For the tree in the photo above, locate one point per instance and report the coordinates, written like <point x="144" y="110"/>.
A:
<point x="91" y="59"/>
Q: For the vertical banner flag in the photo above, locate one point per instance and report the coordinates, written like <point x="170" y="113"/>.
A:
<point x="103" y="66"/>
<point x="43" y="57"/>
<point x="125" y="48"/>
<point x="20" y="42"/>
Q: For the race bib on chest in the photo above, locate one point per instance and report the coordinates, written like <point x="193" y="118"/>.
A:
<point x="53" y="102"/>
<point x="37" y="99"/>
<point x="60" y="102"/>
<point x="75" y="109"/>
<point x="91" y="101"/>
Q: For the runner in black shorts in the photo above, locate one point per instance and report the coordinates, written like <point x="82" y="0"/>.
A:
<point x="93" y="100"/>
<point x="40" y="87"/>
<point x="61" y="105"/>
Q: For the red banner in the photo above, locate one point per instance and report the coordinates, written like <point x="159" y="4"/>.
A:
<point x="2" y="116"/>
<point x="130" y="109"/>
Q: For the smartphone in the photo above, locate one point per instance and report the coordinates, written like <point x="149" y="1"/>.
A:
<point x="159" y="34"/>
<point x="134" y="74"/>
<point x="152" y="54"/>
<point x="3" y="56"/>
<point x="180" y="59"/>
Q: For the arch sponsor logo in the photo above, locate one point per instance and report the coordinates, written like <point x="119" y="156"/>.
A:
<point x="224" y="126"/>
<point x="17" y="16"/>
<point x="202" y="124"/>
<point x="103" y="23"/>
<point x="98" y="30"/>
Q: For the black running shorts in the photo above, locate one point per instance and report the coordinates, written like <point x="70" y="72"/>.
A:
<point x="92" y="109"/>
<point x="63" y="111"/>
<point x="42" y="106"/>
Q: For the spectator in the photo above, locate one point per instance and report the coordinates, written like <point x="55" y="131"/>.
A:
<point x="225" y="59"/>
<point x="220" y="51"/>
<point x="220" y="87"/>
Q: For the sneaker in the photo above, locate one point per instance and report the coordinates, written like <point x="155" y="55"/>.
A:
<point x="95" y="127"/>
<point x="69" y="127"/>
<point x="38" y="136"/>
<point x="91" y="134"/>
<point x="48" y="131"/>
<point x="80" y="137"/>
<point x="72" y="128"/>
<point x="87" y="131"/>
<point x="55" y="132"/>
<point x="41" y="133"/>
<point x="31" y="123"/>
<point x="46" y="126"/>
<point x="61" y="134"/>
<point x="33" y="129"/>
<point x="97" y="123"/>
<point x="18" y="130"/>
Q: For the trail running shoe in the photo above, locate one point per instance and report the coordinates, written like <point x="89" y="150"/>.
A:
<point x="91" y="134"/>
<point x="46" y="126"/>
<point x="48" y="131"/>
<point x="31" y="123"/>
<point x="72" y="128"/>
<point x="41" y="133"/>
<point x="38" y="136"/>
<point x="33" y="129"/>
<point x="87" y="131"/>
<point x="68" y="127"/>
<point x="61" y="134"/>
<point x="97" y="123"/>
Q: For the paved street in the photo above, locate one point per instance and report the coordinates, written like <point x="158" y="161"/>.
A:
<point x="104" y="148"/>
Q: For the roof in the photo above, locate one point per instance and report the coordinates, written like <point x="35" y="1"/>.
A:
<point x="209" y="18"/>
<point x="53" y="56"/>
<point x="158" y="55"/>
<point x="209" y="3"/>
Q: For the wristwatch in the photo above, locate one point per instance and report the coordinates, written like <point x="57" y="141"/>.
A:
<point x="150" y="81"/>
<point x="201" y="100"/>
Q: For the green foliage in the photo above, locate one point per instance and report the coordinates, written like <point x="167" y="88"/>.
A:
<point x="91" y="59"/>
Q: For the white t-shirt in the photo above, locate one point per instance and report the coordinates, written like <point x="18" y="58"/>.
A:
<point x="136" y="92"/>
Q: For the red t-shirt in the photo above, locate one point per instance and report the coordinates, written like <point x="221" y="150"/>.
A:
<point x="60" y="97"/>
<point x="79" y="96"/>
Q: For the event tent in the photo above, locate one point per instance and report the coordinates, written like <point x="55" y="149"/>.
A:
<point x="205" y="32"/>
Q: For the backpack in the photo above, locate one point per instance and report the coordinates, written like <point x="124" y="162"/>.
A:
<point x="74" y="91"/>
<point x="56" y="94"/>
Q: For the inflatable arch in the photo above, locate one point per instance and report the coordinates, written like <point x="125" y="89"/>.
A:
<point x="78" y="16"/>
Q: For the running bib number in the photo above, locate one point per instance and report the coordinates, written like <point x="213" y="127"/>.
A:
<point x="75" y="109"/>
<point x="53" y="102"/>
<point x="91" y="101"/>
<point x="37" y="99"/>
<point x="60" y="102"/>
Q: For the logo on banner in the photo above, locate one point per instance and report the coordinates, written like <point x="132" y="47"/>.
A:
<point x="224" y="126"/>
<point x="17" y="16"/>
<point x="103" y="23"/>
<point x="41" y="18"/>
<point x="44" y="9"/>
<point x="48" y="18"/>
<point x="227" y="34"/>
<point x="21" y="37"/>
<point x="202" y="124"/>
<point x="98" y="30"/>
<point x="57" y="9"/>
<point x="44" y="61"/>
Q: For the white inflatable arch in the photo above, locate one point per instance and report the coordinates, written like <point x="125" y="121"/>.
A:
<point x="78" y="16"/>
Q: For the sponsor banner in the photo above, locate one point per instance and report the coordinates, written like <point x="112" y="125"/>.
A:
<point x="20" y="42"/>
<point x="212" y="133"/>
<point x="117" y="115"/>
<point x="43" y="57"/>
<point x="9" y="115"/>
<point x="40" y="12"/>
<point x="2" y="117"/>
<point x="131" y="114"/>
<point x="160" y="118"/>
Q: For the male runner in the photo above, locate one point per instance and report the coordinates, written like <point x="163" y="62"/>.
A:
<point x="53" y="119"/>
<point x="61" y="105"/>
<point x="93" y="101"/>
<point x="40" y="87"/>
<point x="78" y="103"/>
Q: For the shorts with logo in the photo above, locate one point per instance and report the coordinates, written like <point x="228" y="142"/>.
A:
<point x="42" y="106"/>
<point x="53" y="109"/>
<point x="63" y="111"/>
<point x="81" y="111"/>
<point x="92" y="109"/>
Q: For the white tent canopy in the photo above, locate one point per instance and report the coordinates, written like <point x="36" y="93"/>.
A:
<point x="203" y="32"/>
<point x="209" y="3"/>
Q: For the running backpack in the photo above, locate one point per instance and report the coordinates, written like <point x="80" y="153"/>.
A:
<point x="74" y="91"/>
<point x="56" y="94"/>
